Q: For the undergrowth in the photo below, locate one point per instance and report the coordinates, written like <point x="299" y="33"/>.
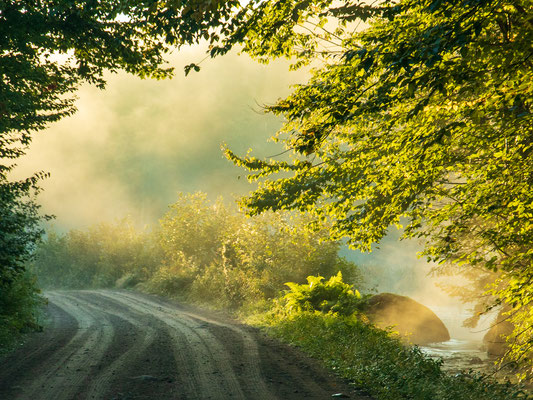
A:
<point x="374" y="360"/>
<point x="333" y="328"/>
<point x="19" y="309"/>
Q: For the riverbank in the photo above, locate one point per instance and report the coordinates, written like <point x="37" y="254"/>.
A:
<point x="371" y="358"/>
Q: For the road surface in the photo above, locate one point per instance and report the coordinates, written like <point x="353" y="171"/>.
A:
<point x="122" y="345"/>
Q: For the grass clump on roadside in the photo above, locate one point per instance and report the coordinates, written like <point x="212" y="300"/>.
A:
<point x="335" y="330"/>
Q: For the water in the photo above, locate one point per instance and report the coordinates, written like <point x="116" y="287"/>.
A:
<point x="458" y="355"/>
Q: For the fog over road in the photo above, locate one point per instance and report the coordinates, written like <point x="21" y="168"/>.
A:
<point x="111" y="344"/>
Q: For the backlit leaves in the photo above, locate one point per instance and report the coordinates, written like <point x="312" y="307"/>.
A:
<point x="425" y="120"/>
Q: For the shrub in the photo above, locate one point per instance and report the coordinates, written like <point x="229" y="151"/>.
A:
<point x="127" y="281"/>
<point x="19" y="309"/>
<point x="333" y="296"/>
<point x="322" y="318"/>
<point x="235" y="261"/>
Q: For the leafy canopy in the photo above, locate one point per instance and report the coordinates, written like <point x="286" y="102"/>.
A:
<point x="422" y="120"/>
<point x="47" y="49"/>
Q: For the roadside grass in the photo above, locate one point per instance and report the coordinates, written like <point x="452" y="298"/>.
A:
<point x="377" y="361"/>
<point x="326" y="319"/>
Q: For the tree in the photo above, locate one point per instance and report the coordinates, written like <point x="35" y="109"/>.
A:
<point x="19" y="232"/>
<point x="213" y="253"/>
<point x="47" y="49"/>
<point x="19" y="219"/>
<point x="97" y="257"/>
<point x="422" y="120"/>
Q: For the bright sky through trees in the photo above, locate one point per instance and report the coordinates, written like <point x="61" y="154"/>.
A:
<point x="130" y="148"/>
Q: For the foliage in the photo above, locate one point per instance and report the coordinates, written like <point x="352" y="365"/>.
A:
<point x="19" y="310"/>
<point x="51" y="47"/>
<point x="203" y="251"/>
<point x="19" y="226"/>
<point x="374" y="360"/>
<point x="423" y="119"/>
<point x="19" y="234"/>
<point x="96" y="258"/>
<point x="332" y="296"/>
<point x="48" y="49"/>
<point x="217" y="255"/>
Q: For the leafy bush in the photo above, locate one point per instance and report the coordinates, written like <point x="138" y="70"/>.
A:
<point x="20" y="231"/>
<point x="168" y="281"/>
<point x="333" y="296"/>
<point x="127" y="281"/>
<point x="216" y="255"/>
<point x="19" y="308"/>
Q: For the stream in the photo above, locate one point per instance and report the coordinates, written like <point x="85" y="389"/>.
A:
<point x="465" y="351"/>
<point x="460" y="355"/>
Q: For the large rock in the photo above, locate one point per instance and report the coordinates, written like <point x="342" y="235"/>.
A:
<point x="414" y="321"/>
<point x="494" y="339"/>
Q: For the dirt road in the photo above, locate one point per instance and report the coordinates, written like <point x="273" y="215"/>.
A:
<point x="122" y="345"/>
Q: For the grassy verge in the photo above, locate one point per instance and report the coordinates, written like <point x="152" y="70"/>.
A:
<point x="377" y="362"/>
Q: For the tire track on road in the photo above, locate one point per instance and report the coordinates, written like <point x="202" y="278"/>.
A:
<point x="101" y="382"/>
<point x="58" y="332"/>
<point x="116" y="344"/>
<point x="255" y="383"/>
<point x="212" y="373"/>
<point x="69" y="368"/>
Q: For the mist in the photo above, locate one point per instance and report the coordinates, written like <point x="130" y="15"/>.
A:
<point x="394" y="266"/>
<point x="132" y="147"/>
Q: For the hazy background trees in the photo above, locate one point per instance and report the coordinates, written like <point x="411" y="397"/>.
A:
<point x="204" y="251"/>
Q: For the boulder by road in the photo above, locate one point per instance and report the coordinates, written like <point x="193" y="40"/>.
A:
<point x="414" y="321"/>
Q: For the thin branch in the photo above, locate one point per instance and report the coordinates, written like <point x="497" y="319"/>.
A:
<point x="280" y="154"/>
<point x="316" y="35"/>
